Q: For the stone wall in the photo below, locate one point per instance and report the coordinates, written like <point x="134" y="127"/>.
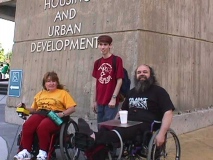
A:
<point x="173" y="37"/>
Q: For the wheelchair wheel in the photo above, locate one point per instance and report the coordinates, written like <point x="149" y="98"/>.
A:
<point x="68" y="150"/>
<point x="170" y="150"/>
<point x="35" y="146"/>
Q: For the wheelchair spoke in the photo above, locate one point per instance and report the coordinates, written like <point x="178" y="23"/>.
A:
<point x="68" y="151"/>
<point x="169" y="151"/>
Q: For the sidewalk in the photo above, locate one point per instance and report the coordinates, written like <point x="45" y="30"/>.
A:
<point x="3" y="143"/>
<point x="196" y="145"/>
<point x="3" y="149"/>
<point x="8" y="133"/>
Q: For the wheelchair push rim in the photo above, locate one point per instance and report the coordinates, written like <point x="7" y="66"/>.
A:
<point x="68" y="150"/>
<point x="170" y="150"/>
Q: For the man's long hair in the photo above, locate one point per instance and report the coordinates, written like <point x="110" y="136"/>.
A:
<point x="142" y="86"/>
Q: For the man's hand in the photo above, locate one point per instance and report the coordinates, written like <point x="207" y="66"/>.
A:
<point x="159" y="140"/>
<point x="166" y="122"/>
<point x="112" y="103"/>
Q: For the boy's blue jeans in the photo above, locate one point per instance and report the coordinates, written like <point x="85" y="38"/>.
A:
<point x="106" y="113"/>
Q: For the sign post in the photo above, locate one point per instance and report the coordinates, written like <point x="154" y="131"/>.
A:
<point x="15" y="81"/>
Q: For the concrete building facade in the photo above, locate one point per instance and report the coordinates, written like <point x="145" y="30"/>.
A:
<point x="174" y="37"/>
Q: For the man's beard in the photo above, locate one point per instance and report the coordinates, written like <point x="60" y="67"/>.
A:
<point x="143" y="85"/>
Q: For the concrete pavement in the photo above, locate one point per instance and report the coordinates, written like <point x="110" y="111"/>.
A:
<point x="196" y="145"/>
<point x="3" y="149"/>
<point x="3" y="143"/>
<point x="8" y="133"/>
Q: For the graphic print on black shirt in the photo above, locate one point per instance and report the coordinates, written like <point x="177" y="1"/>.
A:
<point x="149" y="105"/>
<point x="138" y="103"/>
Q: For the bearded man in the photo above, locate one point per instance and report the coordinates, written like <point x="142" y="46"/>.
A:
<point x="146" y="102"/>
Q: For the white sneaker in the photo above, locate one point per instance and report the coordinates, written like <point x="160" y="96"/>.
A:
<point x="24" y="154"/>
<point x="42" y="155"/>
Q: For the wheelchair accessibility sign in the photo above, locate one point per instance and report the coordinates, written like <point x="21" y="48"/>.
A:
<point x="15" y="81"/>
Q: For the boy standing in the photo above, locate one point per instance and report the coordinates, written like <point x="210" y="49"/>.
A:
<point x="108" y="76"/>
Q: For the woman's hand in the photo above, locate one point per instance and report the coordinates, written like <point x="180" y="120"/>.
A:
<point x="61" y="114"/>
<point x="67" y="112"/>
<point x="21" y="105"/>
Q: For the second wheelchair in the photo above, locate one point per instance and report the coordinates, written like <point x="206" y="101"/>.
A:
<point x="141" y="148"/>
<point x="59" y="140"/>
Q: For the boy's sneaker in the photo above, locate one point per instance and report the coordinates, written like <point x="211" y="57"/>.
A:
<point x="24" y="154"/>
<point x="42" y="155"/>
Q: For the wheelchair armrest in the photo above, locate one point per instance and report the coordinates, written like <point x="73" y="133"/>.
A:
<point x="155" y="125"/>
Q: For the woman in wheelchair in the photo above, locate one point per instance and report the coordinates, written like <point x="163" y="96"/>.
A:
<point x="146" y="102"/>
<point x="53" y="97"/>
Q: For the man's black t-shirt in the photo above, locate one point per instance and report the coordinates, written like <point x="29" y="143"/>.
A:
<point x="149" y="105"/>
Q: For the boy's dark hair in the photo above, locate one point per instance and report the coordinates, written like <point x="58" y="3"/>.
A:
<point x="105" y="39"/>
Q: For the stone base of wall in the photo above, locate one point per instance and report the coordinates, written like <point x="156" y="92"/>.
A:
<point x="188" y="122"/>
<point x="182" y="123"/>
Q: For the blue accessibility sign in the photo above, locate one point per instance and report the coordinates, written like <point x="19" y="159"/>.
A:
<point x="15" y="82"/>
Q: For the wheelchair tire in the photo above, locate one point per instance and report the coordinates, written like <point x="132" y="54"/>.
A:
<point x="35" y="145"/>
<point x="169" y="150"/>
<point x="68" y="150"/>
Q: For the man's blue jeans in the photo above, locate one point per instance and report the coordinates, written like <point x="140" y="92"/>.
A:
<point x="105" y="113"/>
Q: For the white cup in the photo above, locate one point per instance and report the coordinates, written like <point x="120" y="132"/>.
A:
<point x="123" y="116"/>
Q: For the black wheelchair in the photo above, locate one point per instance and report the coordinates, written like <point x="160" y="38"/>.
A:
<point x="141" y="148"/>
<point x="60" y="140"/>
